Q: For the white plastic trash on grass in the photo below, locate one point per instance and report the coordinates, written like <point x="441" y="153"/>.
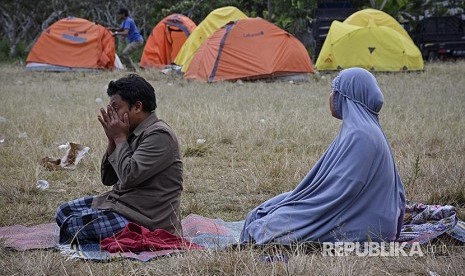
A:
<point x="42" y="184"/>
<point x="118" y="64"/>
<point x="74" y="154"/>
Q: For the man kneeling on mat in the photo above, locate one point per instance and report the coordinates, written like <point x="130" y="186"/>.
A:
<point x="142" y="163"/>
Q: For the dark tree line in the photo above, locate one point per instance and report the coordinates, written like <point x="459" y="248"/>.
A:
<point x="22" y="21"/>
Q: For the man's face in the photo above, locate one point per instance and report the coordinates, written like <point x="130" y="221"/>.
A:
<point x="122" y="107"/>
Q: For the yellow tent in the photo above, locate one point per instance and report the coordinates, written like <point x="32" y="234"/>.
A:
<point x="370" y="39"/>
<point x="364" y="17"/>
<point x="213" y="22"/>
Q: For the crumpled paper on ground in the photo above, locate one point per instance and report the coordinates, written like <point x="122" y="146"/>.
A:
<point x="74" y="154"/>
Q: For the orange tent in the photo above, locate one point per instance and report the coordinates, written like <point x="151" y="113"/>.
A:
<point x="73" y="44"/>
<point x="250" y="48"/>
<point x="166" y="40"/>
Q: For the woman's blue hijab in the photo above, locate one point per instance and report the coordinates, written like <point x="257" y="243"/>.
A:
<point x="353" y="193"/>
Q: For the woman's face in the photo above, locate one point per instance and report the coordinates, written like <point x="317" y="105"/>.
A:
<point x="331" y="106"/>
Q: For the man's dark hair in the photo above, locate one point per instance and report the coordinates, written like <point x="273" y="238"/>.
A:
<point x="134" y="88"/>
<point x="123" y="11"/>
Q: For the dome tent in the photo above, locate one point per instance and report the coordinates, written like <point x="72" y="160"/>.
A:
<point x="214" y="21"/>
<point x="370" y="39"/>
<point x="165" y="41"/>
<point x="72" y="44"/>
<point x="250" y="48"/>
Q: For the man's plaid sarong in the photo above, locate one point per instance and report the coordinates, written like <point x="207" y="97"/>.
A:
<point x="80" y="223"/>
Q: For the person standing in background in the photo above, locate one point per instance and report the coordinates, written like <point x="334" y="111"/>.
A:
<point x="129" y="29"/>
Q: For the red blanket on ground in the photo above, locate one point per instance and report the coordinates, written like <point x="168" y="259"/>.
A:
<point x="136" y="238"/>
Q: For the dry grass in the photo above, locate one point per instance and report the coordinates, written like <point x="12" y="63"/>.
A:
<point x="261" y="139"/>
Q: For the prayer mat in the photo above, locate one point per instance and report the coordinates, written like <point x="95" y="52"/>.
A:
<point x="422" y="223"/>
<point x="20" y="237"/>
<point x="94" y="252"/>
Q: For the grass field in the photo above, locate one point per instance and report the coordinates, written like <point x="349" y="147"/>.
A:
<point x="261" y="140"/>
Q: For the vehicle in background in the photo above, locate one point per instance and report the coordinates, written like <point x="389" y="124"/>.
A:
<point x="325" y="13"/>
<point x="440" y="37"/>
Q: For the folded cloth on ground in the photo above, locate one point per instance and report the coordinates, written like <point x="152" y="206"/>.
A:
<point x="206" y="232"/>
<point x="423" y="223"/>
<point x="136" y="238"/>
<point x="458" y="232"/>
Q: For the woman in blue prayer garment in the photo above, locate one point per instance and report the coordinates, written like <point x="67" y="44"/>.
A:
<point x="353" y="193"/>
